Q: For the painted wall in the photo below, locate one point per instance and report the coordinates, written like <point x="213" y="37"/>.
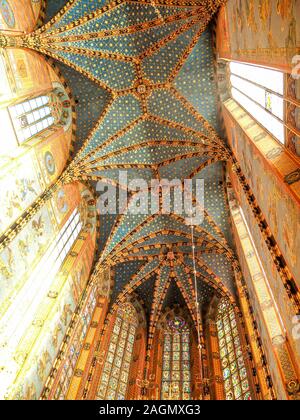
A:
<point x="27" y="170"/>
<point x="265" y="163"/>
<point x="27" y="248"/>
<point x="67" y="366"/>
<point x="263" y="305"/>
<point x="265" y="32"/>
<point x="25" y="73"/>
<point x="28" y="363"/>
<point x="14" y="18"/>
<point x="283" y="302"/>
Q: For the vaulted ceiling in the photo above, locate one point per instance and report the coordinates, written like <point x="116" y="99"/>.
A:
<point x="142" y="75"/>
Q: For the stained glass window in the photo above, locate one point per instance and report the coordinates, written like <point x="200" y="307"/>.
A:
<point x="31" y="117"/>
<point x="176" y="374"/>
<point x="232" y="361"/>
<point x="260" y="91"/>
<point x="115" y="374"/>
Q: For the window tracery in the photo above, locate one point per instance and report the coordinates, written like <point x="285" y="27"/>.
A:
<point x="232" y="361"/>
<point x="31" y="117"/>
<point x="115" y="374"/>
<point x="176" y="375"/>
<point x="260" y="91"/>
<point x="35" y="115"/>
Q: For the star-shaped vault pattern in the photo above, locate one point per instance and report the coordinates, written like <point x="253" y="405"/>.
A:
<point x="152" y="65"/>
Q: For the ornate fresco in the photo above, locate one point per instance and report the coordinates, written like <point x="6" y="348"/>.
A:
<point x="251" y="28"/>
<point x="12" y="16"/>
<point x="7" y="13"/>
<point x="280" y="208"/>
<point x="143" y="82"/>
<point x="37" y="348"/>
<point x="153" y="115"/>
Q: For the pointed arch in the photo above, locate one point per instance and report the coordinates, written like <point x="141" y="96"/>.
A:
<point x="122" y="352"/>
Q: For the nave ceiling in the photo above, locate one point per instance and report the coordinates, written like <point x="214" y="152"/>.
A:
<point x="143" y="79"/>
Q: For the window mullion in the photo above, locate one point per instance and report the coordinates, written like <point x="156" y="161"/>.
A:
<point x="260" y="106"/>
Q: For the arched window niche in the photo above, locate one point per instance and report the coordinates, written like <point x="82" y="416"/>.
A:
<point x="176" y="369"/>
<point x="118" y="354"/>
<point x="232" y="356"/>
<point x="65" y="366"/>
<point x="174" y="365"/>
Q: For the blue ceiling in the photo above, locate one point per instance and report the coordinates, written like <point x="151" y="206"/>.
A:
<point x="142" y="74"/>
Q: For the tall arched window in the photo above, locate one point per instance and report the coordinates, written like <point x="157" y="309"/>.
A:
<point x="232" y="361"/>
<point x="24" y="307"/>
<point x="176" y="375"/>
<point x="27" y="310"/>
<point x="115" y="374"/>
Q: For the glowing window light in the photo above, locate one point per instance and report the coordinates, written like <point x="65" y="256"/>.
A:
<point x="270" y="79"/>
<point x="274" y="126"/>
<point x="269" y="101"/>
<point x="8" y="137"/>
<point x="176" y="375"/>
<point x="260" y="92"/>
<point x="31" y="117"/>
<point x="234" y="371"/>
<point x="21" y="312"/>
<point x="115" y="375"/>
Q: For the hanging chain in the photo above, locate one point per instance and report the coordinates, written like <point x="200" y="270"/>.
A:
<point x="196" y="289"/>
